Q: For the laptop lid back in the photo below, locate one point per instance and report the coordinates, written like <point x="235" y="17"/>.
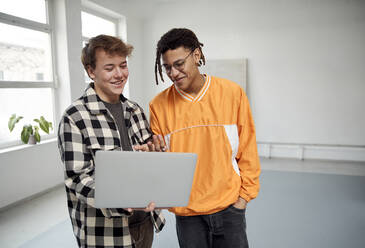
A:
<point x="134" y="179"/>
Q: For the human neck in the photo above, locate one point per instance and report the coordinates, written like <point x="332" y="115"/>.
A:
<point x="105" y="97"/>
<point x="110" y="100"/>
<point x="197" y="85"/>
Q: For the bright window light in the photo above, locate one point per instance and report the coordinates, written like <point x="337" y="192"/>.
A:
<point x="24" y="54"/>
<point x="34" y="10"/>
<point x="93" y="25"/>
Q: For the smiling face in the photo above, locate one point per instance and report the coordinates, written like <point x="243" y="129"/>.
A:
<point x="181" y="67"/>
<point x="110" y="75"/>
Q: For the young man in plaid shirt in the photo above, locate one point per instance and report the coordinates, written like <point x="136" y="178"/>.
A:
<point x="103" y="119"/>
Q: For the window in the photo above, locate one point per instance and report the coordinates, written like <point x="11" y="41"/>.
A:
<point x="95" y="23"/>
<point x="34" y="10"/>
<point x="26" y="65"/>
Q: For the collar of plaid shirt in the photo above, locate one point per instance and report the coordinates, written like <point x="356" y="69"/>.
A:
<point x="96" y="105"/>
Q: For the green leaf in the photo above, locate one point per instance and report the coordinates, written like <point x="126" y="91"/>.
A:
<point x="25" y="135"/>
<point x="43" y="124"/>
<point x="13" y="120"/>
<point x="36" y="134"/>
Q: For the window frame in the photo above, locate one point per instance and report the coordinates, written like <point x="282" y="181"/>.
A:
<point x="48" y="28"/>
<point x="101" y="15"/>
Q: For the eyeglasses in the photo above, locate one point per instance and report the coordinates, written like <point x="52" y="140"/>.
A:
<point x="178" y="65"/>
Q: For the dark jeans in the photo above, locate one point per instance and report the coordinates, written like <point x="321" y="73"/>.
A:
<point x="142" y="232"/>
<point x="223" y="229"/>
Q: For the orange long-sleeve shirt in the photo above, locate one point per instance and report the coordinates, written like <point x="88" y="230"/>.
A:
<point x="218" y="126"/>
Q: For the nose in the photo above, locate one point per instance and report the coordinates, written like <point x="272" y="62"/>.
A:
<point x="174" y="72"/>
<point x="118" y="72"/>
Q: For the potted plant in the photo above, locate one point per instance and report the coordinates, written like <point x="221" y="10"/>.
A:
<point x="30" y="133"/>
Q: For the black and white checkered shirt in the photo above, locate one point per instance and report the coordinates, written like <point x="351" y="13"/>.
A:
<point x="86" y="127"/>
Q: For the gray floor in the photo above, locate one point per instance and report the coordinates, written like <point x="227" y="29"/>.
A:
<point x="308" y="210"/>
<point x="294" y="209"/>
<point x="33" y="218"/>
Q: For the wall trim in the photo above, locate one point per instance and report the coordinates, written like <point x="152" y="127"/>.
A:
<point x="311" y="151"/>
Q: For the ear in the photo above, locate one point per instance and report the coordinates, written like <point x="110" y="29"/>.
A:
<point x="90" y="72"/>
<point x="197" y="56"/>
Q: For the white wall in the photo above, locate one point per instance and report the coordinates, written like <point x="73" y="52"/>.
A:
<point x="306" y="73"/>
<point x="306" y="62"/>
<point x="29" y="170"/>
<point x="305" y="65"/>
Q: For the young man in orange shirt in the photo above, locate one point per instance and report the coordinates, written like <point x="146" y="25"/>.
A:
<point x="209" y="116"/>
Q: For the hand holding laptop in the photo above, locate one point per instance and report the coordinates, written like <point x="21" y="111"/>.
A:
<point x="156" y="145"/>
<point x="149" y="208"/>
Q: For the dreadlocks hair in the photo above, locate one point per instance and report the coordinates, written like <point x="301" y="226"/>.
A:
<point x="175" y="38"/>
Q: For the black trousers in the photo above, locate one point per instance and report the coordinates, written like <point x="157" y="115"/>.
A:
<point x="223" y="229"/>
<point x="142" y="233"/>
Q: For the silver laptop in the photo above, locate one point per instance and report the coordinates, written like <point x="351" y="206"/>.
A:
<point x="134" y="179"/>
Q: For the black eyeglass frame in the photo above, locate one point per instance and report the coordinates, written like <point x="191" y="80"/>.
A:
<point x="178" y="65"/>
